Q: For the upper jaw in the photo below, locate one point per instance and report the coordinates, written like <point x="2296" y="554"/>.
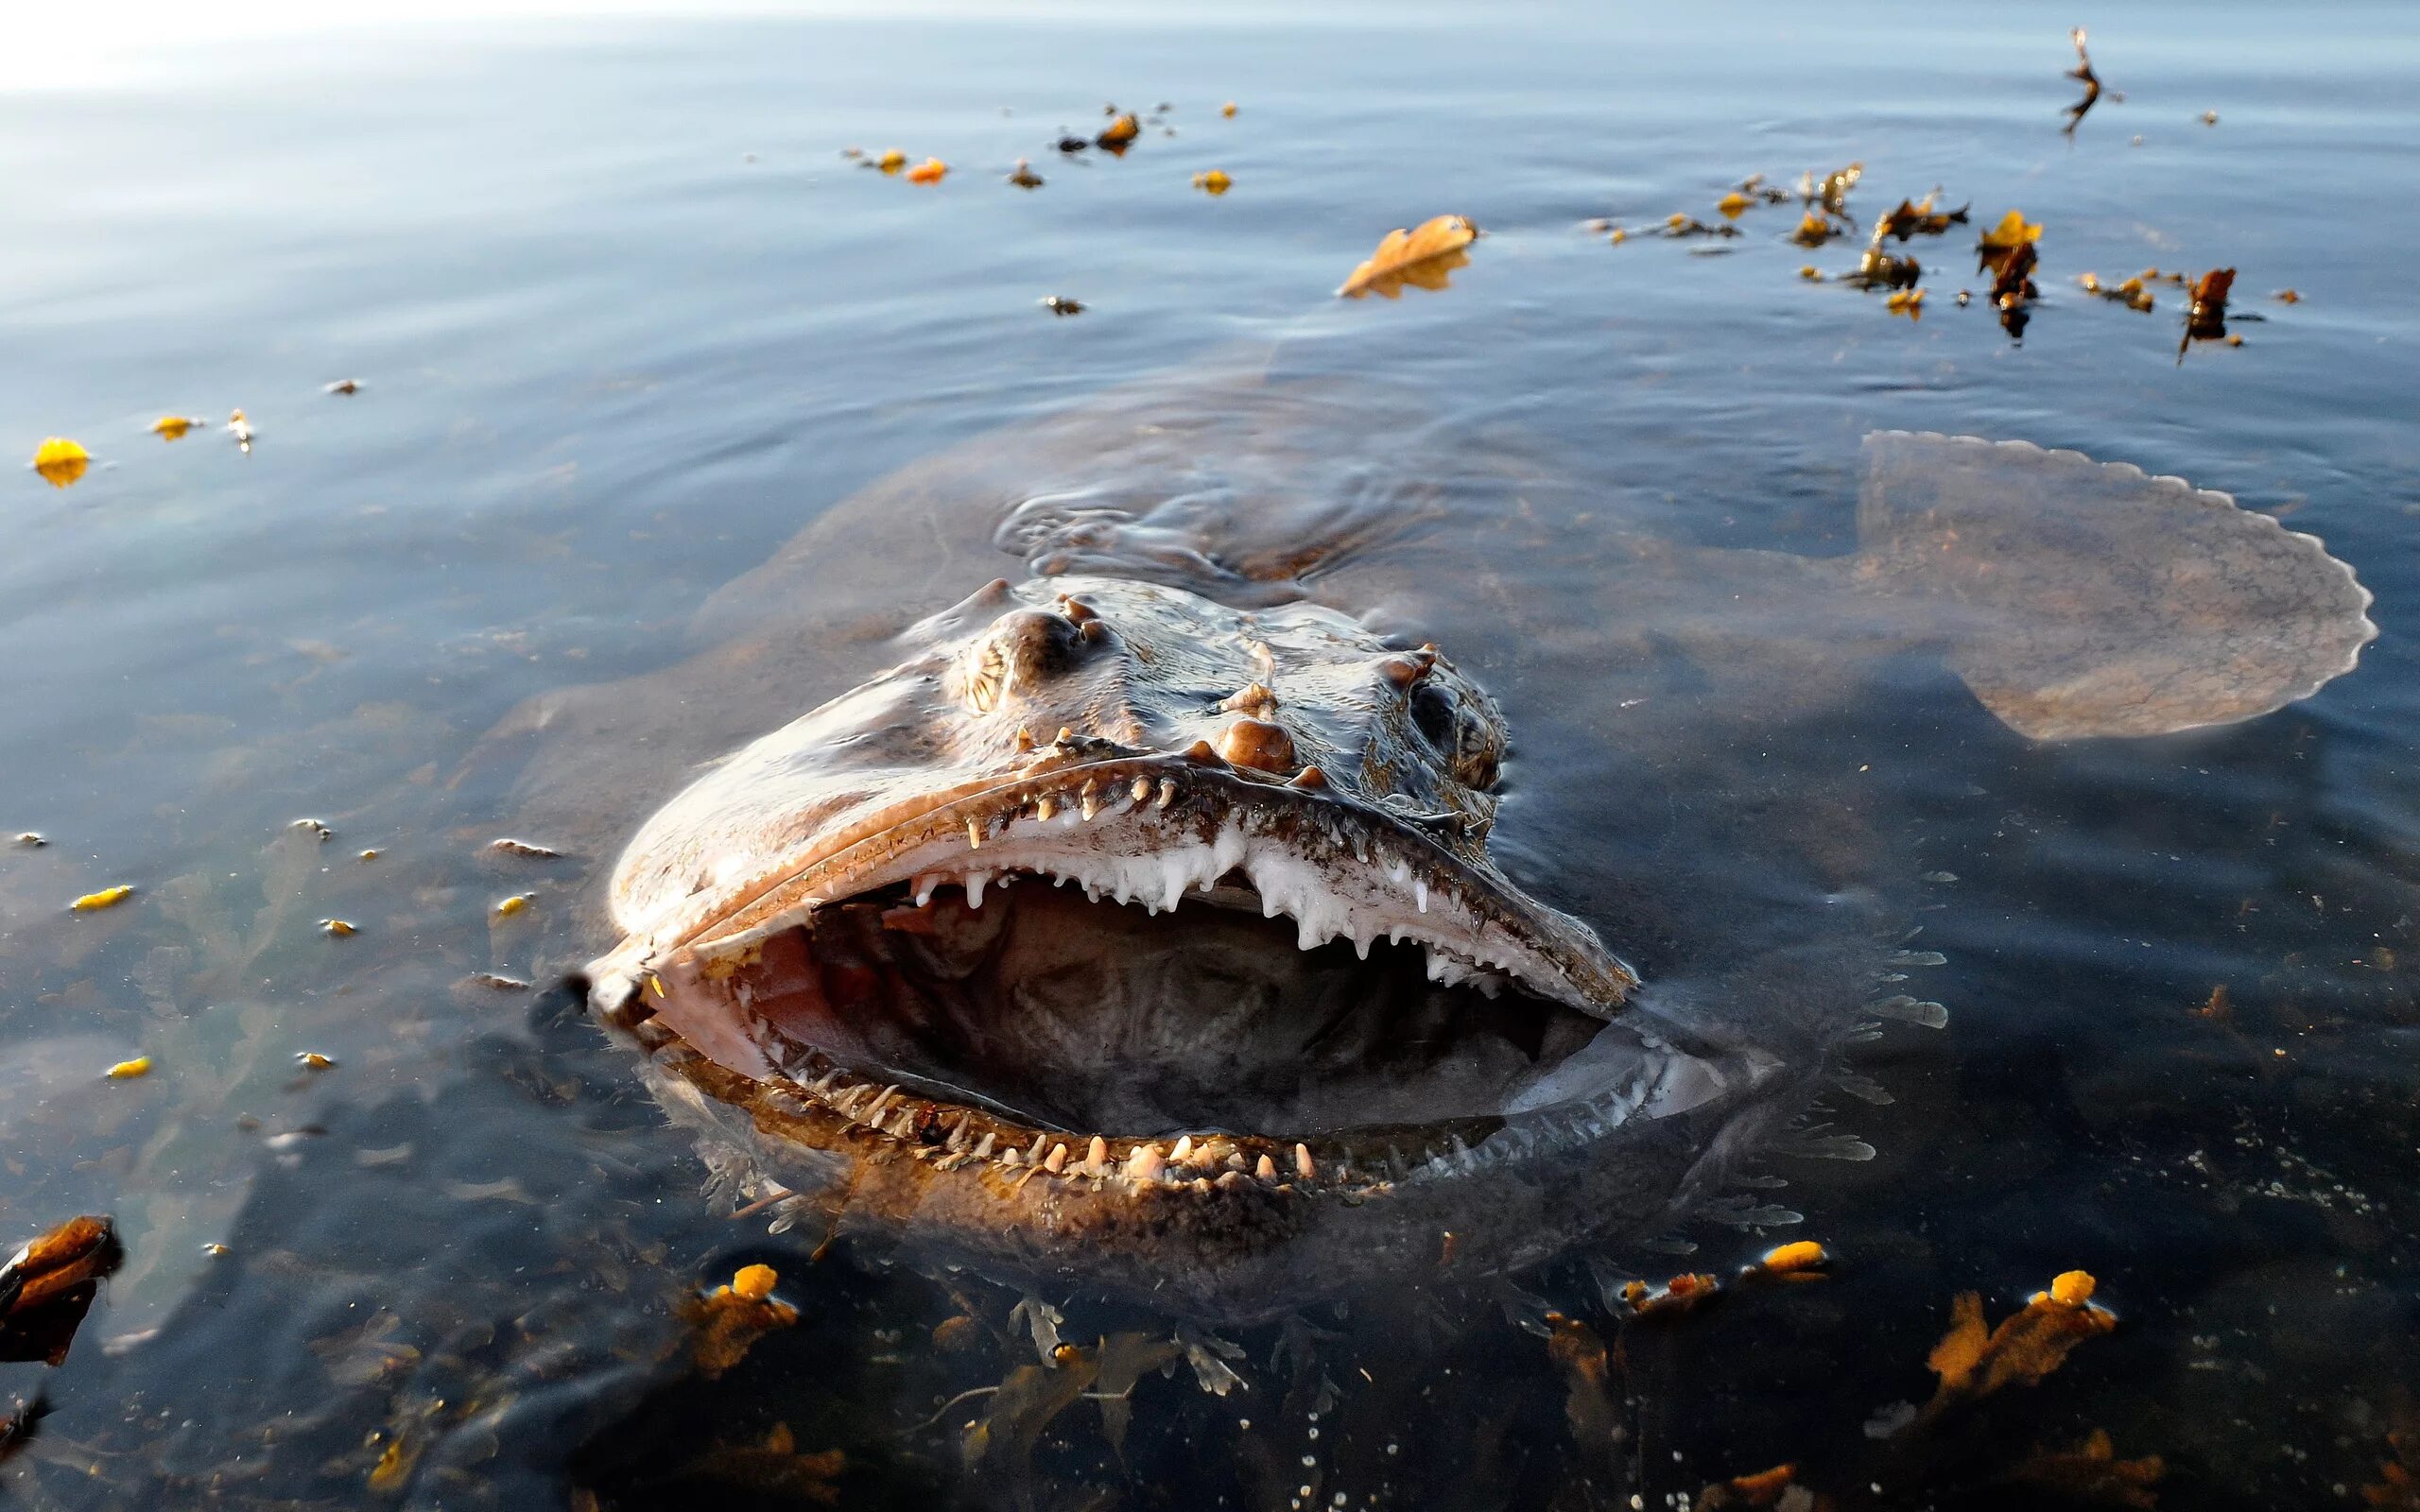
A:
<point x="1152" y="828"/>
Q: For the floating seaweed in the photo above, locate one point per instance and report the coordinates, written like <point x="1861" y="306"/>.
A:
<point x="2206" y="315"/>
<point x="1422" y="257"/>
<point x="2083" y="73"/>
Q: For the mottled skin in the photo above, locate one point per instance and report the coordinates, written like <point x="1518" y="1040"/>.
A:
<point x="1226" y="586"/>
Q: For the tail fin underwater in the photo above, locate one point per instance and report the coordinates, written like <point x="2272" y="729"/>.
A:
<point x="2085" y="598"/>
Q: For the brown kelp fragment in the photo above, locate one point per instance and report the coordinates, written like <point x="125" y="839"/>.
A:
<point x="1124" y="1360"/>
<point x="2205" y="317"/>
<point x="1679" y="225"/>
<point x="1973" y="1362"/>
<point x="2286" y="297"/>
<point x="892" y="160"/>
<point x="2091" y="1472"/>
<point x="1878" y="269"/>
<point x="342" y="386"/>
<point x="2132" y="294"/>
<point x="1814" y="230"/>
<point x="1119" y="133"/>
<point x="1022" y="1406"/>
<point x="1062" y="304"/>
<point x="1918" y="218"/>
<point x="1910" y="302"/>
<point x="525" y="849"/>
<point x="2007" y="253"/>
<point x="1763" y="1488"/>
<point x="1589" y="1402"/>
<point x="1832" y="190"/>
<point x="773" y="1466"/>
<point x="730" y="1319"/>
<point x="60" y="461"/>
<point x="1422" y="257"/>
<point x="48" y="1285"/>
<point x="1024" y="177"/>
<point x="2083" y="75"/>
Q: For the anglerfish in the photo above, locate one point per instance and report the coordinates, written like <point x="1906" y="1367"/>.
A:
<point x="1231" y="842"/>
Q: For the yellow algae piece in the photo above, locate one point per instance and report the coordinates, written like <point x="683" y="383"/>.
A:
<point x="892" y="160"/>
<point x="2074" y="1288"/>
<point x="106" y="898"/>
<point x="1805" y="1254"/>
<point x="928" y="171"/>
<point x="2013" y="231"/>
<point x="60" y="461"/>
<point x="513" y="904"/>
<point x="755" y="1282"/>
<point x="129" y="1070"/>
<point x="339" y="927"/>
<point x="1732" y="205"/>
<point x="173" y="427"/>
<point x="1214" y="182"/>
<point x="1227" y="110"/>
<point x="313" y="1060"/>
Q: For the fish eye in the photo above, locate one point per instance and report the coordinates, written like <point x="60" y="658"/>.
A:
<point x="1456" y="733"/>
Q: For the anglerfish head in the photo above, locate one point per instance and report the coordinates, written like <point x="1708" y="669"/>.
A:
<point x="1124" y="933"/>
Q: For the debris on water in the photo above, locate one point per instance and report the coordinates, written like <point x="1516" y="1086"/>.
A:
<point x="313" y="1060"/>
<point x="1832" y="190"/>
<point x="1684" y="1293"/>
<point x="494" y="983"/>
<point x="773" y="1466"/>
<point x="1910" y="302"/>
<point x="1213" y="183"/>
<point x="1676" y="224"/>
<point x="1801" y="1261"/>
<point x="2286" y="297"/>
<point x="173" y="427"/>
<point x="344" y="385"/>
<point x="1119" y="134"/>
<point x="1973" y="1362"/>
<point x="730" y="1319"/>
<point x="30" y="839"/>
<point x="1062" y="304"/>
<point x="2132" y="294"/>
<point x="1072" y="144"/>
<point x="60" y="461"/>
<point x="1919" y="218"/>
<point x="1423" y="257"/>
<point x="929" y="171"/>
<point x="509" y="906"/>
<point x="527" y="850"/>
<point x="1764" y="1489"/>
<point x="1733" y="205"/>
<point x="92" y="903"/>
<point x="337" y="927"/>
<point x="2205" y="317"/>
<point x="129" y="1070"/>
<point x="1811" y="273"/>
<point x="2007" y="253"/>
<point x="2210" y="117"/>
<point x="2091" y="1472"/>
<point x="1024" y="177"/>
<point x="1814" y="230"/>
<point x="1878" y="269"/>
<point x="371" y="854"/>
<point x="241" y="430"/>
<point x="892" y="161"/>
<point x="48" y="1285"/>
<point x="1227" y="110"/>
<point x="2083" y="75"/>
<point x="318" y="827"/>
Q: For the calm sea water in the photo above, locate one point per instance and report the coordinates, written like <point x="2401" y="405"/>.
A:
<point x="625" y="319"/>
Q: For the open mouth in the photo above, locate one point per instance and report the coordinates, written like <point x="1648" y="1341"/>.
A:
<point x="1157" y="970"/>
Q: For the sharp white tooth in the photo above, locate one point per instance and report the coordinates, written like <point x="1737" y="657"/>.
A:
<point x="1056" y="1160"/>
<point x="973" y="835"/>
<point x="1361" y="945"/>
<point x="983" y="1146"/>
<point x="1167" y="791"/>
<point x="1303" y="1166"/>
<point x="1141" y="788"/>
<point x="1090" y="799"/>
<point x="874" y="1114"/>
<point x="957" y="1131"/>
<point x="1420" y="892"/>
<point x="975" y="881"/>
<point x="1145" y="1164"/>
<point x="1097" y="1157"/>
<point x="1033" y="1156"/>
<point x="1307" y="936"/>
<point x="1401" y="872"/>
<point x="1184" y="1148"/>
<point x="1266" y="1168"/>
<point x="823" y="1083"/>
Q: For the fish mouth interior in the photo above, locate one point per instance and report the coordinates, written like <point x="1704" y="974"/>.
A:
<point x="1059" y="1010"/>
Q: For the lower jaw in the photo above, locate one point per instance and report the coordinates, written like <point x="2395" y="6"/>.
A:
<point x="1221" y="1239"/>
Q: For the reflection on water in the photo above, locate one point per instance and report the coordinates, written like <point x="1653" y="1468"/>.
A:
<point x="624" y="321"/>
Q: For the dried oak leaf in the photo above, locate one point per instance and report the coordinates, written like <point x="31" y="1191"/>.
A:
<point x="2091" y="1472"/>
<point x="60" y="461"/>
<point x="1422" y="257"/>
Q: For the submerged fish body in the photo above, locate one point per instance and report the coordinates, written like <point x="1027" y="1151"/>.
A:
<point x="1173" y="916"/>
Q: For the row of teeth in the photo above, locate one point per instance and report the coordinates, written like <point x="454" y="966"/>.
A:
<point x="1216" y="1161"/>
<point x="1287" y="885"/>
